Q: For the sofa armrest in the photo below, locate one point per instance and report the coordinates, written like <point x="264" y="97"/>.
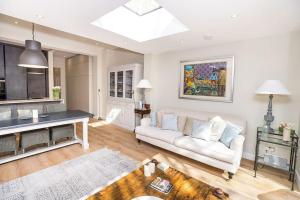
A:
<point x="145" y="122"/>
<point x="237" y="143"/>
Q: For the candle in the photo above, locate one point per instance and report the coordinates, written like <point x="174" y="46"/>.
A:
<point x="147" y="171"/>
<point x="35" y="114"/>
<point x="152" y="167"/>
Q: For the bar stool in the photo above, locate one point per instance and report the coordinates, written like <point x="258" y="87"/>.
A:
<point x="7" y="142"/>
<point x="62" y="132"/>
<point x="34" y="137"/>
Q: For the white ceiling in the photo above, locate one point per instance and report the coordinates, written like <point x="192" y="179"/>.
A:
<point x="256" y="18"/>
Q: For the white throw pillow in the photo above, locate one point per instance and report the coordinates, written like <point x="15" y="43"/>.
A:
<point x="201" y="130"/>
<point x="217" y="127"/>
<point x="169" y="122"/>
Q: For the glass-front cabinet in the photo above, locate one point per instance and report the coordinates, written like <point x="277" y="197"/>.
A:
<point x="122" y="94"/>
<point x="121" y="83"/>
<point x="112" y="84"/>
<point x="128" y="84"/>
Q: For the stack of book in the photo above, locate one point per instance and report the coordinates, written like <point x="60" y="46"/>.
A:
<point x="161" y="185"/>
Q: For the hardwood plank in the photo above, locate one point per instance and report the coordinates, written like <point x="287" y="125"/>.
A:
<point x="242" y="186"/>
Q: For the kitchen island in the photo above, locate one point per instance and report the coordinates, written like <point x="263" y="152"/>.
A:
<point x="46" y="120"/>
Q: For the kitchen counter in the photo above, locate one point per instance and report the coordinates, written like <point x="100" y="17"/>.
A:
<point x="30" y="101"/>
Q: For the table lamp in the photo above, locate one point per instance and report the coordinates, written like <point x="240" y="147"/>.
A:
<point x="271" y="87"/>
<point x="144" y="84"/>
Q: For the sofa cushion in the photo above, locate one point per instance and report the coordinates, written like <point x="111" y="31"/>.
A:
<point x="159" y="118"/>
<point x="153" y="117"/>
<point x="201" y="130"/>
<point x="189" y="125"/>
<point x="211" y="149"/>
<point x="157" y="133"/>
<point x="169" y="122"/>
<point x="218" y="126"/>
<point x="181" y="123"/>
<point x="230" y="132"/>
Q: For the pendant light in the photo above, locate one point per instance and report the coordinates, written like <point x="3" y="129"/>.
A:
<point x="32" y="56"/>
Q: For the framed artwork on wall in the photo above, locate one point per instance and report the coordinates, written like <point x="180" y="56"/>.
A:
<point x="207" y="80"/>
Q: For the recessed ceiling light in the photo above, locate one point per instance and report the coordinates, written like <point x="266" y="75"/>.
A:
<point x="148" y="23"/>
<point x="39" y="16"/>
<point x="16" y="22"/>
<point x="207" y="37"/>
<point x="233" y="16"/>
<point x="142" y="7"/>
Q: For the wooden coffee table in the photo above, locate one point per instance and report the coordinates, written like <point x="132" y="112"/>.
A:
<point x="136" y="184"/>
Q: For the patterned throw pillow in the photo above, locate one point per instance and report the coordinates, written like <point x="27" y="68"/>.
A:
<point x="181" y="123"/>
<point x="189" y="125"/>
<point x="201" y="130"/>
<point x="169" y="122"/>
<point x="153" y="117"/>
<point x="217" y="128"/>
<point x="230" y="132"/>
<point x="159" y="119"/>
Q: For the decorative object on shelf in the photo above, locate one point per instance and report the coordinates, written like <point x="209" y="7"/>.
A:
<point x="35" y="114"/>
<point x="56" y="92"/>
<point x="147" y="106"/>
<point x="144" y="84"/>
<point x="208" y="80"/>
<point x="271" y="87"/>
<point x="287" y="130"/>
<point x="275" y="138"/>
<point x="32" y="56"/>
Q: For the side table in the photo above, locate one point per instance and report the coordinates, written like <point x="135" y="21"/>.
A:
<point x="140" y="112"/>
<point x="276" y="138"/>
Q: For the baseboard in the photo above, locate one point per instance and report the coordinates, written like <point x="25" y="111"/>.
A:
<point x="298" y="180"/>
<point x="248" y="156"/>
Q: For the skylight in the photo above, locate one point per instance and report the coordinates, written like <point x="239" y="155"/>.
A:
<point x="141" y="20"/>
<point x="142" y="7"/>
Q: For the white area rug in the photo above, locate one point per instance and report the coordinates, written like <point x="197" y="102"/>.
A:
<point x="74" y="179"/>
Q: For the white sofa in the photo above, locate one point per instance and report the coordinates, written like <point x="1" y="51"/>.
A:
<point x="215" y="154"/>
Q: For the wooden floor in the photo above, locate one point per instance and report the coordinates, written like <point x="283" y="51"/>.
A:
<point x="270" y="184"/>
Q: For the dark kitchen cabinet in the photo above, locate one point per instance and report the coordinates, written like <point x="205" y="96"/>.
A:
<point x="15" y="76"/>
<point x="20" y="82"/>
<point x="36" y="83"/>
<point x="2" y="69"/>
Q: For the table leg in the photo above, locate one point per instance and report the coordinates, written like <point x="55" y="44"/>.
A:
<point x="256" y="157"/>
<point x="294" y="167"/>
<point x="85" y="139"/>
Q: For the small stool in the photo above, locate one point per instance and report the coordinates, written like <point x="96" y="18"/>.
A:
<point x="8" y="144"/>
<point x="62" y="132"/>
<point x="34" y="137"/>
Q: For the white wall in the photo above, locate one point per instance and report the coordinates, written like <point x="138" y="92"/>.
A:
<point x="52" y="39"/>
<point x="112" y="58"/>
<point x="78" y="84"/>
<point x="60" y="62"/>
<point x="255" y="61"/>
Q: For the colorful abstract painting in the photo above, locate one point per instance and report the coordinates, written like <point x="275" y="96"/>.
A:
<point x="207" y="80"/>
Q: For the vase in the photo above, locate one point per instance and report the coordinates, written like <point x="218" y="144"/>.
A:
<point x="286" y="134"/>
<point x="56" y="95"/>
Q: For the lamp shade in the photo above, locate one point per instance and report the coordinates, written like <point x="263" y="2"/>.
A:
<point x="33" y="56"/>
<point x="145" y="84"/>
<point x="272" y="87"/>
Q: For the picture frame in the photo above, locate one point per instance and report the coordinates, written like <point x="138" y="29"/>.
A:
<point x="207" y="80"/>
